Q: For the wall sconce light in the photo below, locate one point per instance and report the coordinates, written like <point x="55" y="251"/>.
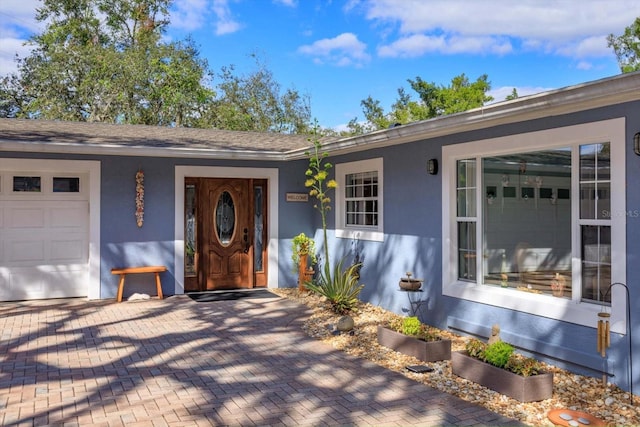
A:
<point x="432" y="166"/>
<point x="636" y="143"/>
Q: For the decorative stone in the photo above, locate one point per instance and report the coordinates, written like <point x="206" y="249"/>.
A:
<point x="139" y="297"/>
<point x="345" y="324"/>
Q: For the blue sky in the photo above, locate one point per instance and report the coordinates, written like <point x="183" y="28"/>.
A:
<point x="341" y="52"/>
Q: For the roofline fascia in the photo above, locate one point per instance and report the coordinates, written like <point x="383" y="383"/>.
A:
<point x="105" y="150"/>
<point x="602" y="93"/>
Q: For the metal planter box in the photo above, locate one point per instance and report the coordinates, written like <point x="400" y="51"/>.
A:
<point x="525" y="389"/>
<point x="426" y="351"/>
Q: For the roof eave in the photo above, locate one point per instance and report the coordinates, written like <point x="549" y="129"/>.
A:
<point x="618" y="89"/>
<point x="206" y="153"/>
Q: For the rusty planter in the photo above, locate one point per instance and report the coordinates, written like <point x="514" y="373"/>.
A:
<point x="525" y="389"/>
<point x="430" y="351"/>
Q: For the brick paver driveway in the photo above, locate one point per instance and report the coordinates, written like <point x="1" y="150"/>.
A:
<point x="176" y="362"/>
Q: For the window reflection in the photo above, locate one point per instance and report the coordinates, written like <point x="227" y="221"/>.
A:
<point x="527" y="232"/>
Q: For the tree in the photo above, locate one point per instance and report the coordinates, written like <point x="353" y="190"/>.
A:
<point x="513" y="95"/>
<point x="255" y="102"/>
<point x="104" y="61"/>
<point x="434" y="100"/>
<point x="627" y="47"/>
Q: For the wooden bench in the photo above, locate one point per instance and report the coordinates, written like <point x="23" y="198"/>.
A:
<point x="157" y="269"/>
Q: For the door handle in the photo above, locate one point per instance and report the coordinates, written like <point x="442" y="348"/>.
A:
<point x="245" y="237"/>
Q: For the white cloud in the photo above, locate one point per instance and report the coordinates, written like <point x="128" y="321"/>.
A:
<point x="584" y="65"/>
<point x="420" y="44"/>
<point x="559" y="27"/>
<point x="501" y="93"/>
<point x="189" y="15"/>
<point x="17" y="23"/>
<point x="225" y="23"/>
<point x="288" y="3"/>
<point x="342" y="50"/>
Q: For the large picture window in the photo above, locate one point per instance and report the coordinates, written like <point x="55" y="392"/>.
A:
<point x="359" y="200"/>
<point x="532" y="225"/>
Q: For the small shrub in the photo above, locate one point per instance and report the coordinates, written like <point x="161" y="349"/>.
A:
<point x="341" y="289"/>
<point x="498" y="353"/>
<point x="521" y="365"/>
<point x="475" y="348"/>
<point x="411" y="326"/>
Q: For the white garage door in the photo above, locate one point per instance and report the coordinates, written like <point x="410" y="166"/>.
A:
<point x="44" y="235"/>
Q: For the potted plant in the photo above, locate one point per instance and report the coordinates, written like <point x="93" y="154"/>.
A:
<point x="303" y="250"/>
<point x="411" y="337"/>
<point x="498" y="367"/>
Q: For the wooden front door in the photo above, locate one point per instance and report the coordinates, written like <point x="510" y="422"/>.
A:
<point x="227" y="262"/>
<point x="225" y="233"/>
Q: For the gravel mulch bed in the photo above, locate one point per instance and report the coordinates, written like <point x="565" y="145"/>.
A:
<point x="570" y="391"/>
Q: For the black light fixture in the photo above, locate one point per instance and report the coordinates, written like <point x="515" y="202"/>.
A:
<point x="432" y="166"/>
<point x="636" y="143"/>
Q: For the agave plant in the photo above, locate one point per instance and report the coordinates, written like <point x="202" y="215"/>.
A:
<point x="341" y="288"/>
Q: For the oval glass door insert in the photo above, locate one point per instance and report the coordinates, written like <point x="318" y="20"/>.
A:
<point x="225" y="218"/>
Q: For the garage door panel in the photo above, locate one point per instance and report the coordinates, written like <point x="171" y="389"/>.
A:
<point x="44" y="247"/>
<point x="47" y="282"/>
<point x="22" y="217"/>
<point x="73" y="216"/>
<point x="26" y="250"/>
<point x="68" y="250"/>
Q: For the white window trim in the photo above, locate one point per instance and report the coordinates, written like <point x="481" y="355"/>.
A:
<point x="573" y="310"/>
<point x="351" y="232"/>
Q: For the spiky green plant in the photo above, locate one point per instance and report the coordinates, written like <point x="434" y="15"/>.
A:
<point x="341" y="288"/>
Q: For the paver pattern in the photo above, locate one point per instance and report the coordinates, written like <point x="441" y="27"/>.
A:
<point x="177" y="362"/>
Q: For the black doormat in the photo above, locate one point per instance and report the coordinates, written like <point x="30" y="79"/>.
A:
<point x="232" y="295"/>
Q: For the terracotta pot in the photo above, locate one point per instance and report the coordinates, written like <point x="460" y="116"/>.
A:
<point x="410" y="284"/>
<point x="305" y="273"/>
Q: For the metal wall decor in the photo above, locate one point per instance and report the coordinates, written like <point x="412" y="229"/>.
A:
<point x="140" y="198"/>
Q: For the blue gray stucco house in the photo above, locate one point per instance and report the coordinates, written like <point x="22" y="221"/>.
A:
<point x="533" y="212"/>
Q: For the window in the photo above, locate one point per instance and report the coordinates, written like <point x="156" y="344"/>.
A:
<point x="359" y="200"/>
<point x="66" y="184"/>
<point x="31" y="184"/>
<point x="532" y="225"/>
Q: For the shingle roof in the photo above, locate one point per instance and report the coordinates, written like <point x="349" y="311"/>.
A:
<point x="102" y="135"/>
<point x="136" y="140"/>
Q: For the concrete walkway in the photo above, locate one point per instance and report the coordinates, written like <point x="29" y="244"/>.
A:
<point x="176" y="362"/>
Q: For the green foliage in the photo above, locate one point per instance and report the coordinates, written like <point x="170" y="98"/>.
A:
<point x="498" y="353"/>
<point x="513" y="95"/>
<point x="525" y="366"/>
<point x="256" y="102"/>
<point x="341" y="288"/>
<point x="475" y="348"/>
<point x="411" y="326"/>
<point x="107" y="61"/>
<point x="627" y="47"/>
<point x="305" y="246"/>
<point x="433" y="101"/>
<point x="503" y="355"/>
